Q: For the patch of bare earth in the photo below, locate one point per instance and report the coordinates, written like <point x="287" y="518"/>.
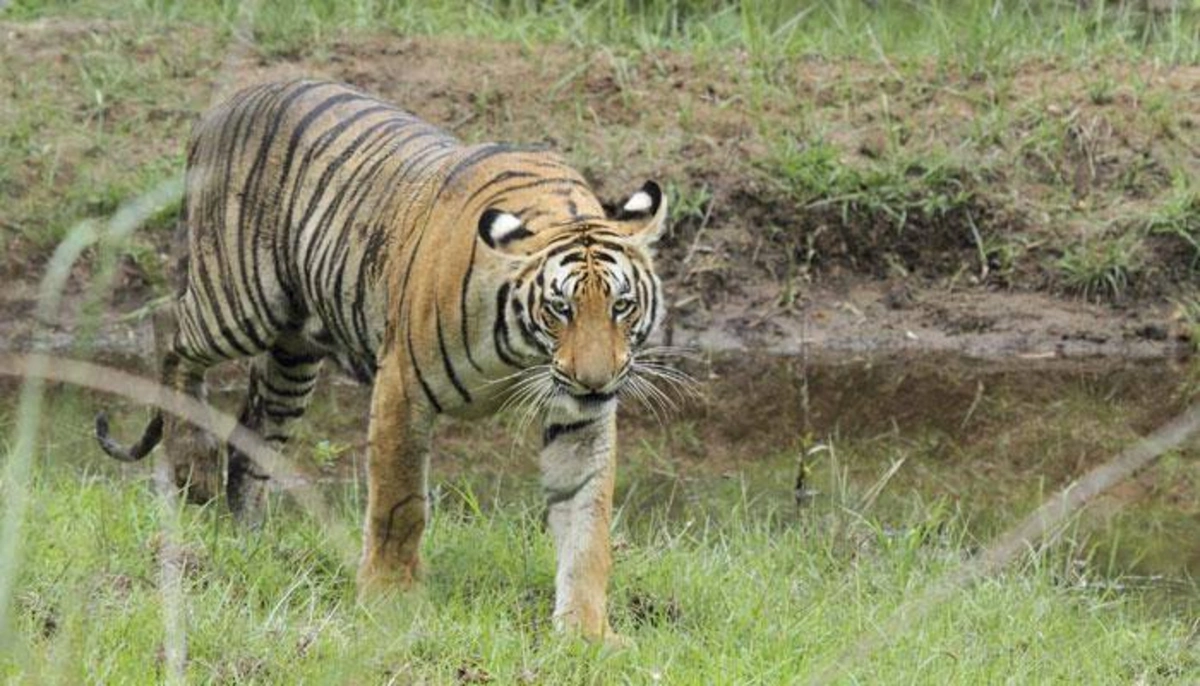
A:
<point x="1041" y="158"/>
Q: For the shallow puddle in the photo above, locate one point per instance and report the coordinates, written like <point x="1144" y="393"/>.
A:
<point x="910" y="441"/>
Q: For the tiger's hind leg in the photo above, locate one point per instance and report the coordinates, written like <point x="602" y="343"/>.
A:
<point x="281" y="385"/>
<point x="192" y="452"/>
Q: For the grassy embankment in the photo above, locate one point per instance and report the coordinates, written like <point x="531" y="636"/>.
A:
<point x="746" y="589"/>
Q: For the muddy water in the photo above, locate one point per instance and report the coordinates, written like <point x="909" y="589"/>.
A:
<point x="985" y="440"/>
<point x="982" y="441"/>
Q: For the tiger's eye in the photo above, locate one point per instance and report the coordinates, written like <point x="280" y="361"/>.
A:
<point x="558" y="308"/>
<point x="623" y="306"/>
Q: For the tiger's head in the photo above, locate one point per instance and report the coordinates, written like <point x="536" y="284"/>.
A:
<point x="583" y="301"/>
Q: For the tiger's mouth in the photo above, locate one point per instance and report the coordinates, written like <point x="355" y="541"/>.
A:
<point x="594" y="397"/>
<point x="588" y="397"/>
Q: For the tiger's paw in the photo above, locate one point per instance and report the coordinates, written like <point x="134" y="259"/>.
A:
<point x="376" y="580"/>
<point x="195" y="459"/>
<point x="614" y="641"/>
<point x="593" y="628"/>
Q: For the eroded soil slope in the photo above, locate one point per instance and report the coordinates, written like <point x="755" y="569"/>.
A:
<point x="846" y="205"/>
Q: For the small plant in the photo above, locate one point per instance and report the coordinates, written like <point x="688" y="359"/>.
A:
<point x="688" y="203"/>
<point x="1179" y="216"/>
<point x="1187" y="313"/>
<point x="1101" y="91"/>
<point x="1101" y="269"/>
<point x="999" y="256"/>
<point x="326" y="453"/>
<point x="811" y="170"/>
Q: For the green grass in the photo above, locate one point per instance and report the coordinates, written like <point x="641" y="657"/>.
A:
<point x="1179" y="217"/>
<point x="723" y="580"/>
<point x="756" y="597"/>
<point x="719" y="578"/>
<point x="981" y="35"/>
<point x="944" y="139"/>
<point x="120" y="131"/>
<point x="1101" y="269"/>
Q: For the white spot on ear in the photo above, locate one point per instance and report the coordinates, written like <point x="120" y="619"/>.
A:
<point x="639" y="202"/>
<point x="504" y="223"/>
<point x="502" y="226"/>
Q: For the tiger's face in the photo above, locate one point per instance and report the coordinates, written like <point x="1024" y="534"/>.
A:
<point x="586" y="301"/>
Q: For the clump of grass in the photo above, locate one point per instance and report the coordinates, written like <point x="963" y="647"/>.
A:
<point x="1101" y="268"/>
<point x="899" y="187"/>
<point x="1179" y="216"/>
<point x="891" y="209"/>
<point x="1187" y="313"/>
<point x="688" y="203"/>
<point x="1101" y="90"/>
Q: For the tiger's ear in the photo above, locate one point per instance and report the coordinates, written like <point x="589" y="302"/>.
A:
<point x="643" y="215"/>
<point x="499" y="229"/>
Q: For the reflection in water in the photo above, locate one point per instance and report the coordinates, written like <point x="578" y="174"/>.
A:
<point x="985" y="440"/>
<point x="915" y="440"/>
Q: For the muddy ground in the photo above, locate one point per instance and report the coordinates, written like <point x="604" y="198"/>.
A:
<point x="751" y="262"/>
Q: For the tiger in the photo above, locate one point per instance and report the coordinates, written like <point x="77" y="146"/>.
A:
<point x="324" y="223"/>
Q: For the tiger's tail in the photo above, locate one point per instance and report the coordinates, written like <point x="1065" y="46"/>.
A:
<point x="150" y="438"/>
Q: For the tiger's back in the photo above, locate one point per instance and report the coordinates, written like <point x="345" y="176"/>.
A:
<point x="294" y="195"/>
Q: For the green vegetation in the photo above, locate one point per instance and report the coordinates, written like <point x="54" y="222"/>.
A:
<point x="1179" y="217"/>
<point x="980" y="34"/>
<point x="943" y="139"/>
<point x="739" y="583"/>
<point x="1031" y="145"/>
<point x="1101" y="269"/>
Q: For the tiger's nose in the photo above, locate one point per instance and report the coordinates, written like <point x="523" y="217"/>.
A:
<point x="600" y="378"/>
<point x="593" y="381"/>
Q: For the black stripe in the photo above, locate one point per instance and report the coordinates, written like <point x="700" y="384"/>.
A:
<point x="517" y="234"/>
<point x="437" y="407"/>
<point x="248" y="114"/>
<point x="286" y="359"/>
<point x="464" y="316"/>
<point x="287" y="374"/>
<point x="499" y="178"/>
<point x="553" y="431"/>
<point x="330" y="249"/>
<point x="208" y="329"/>
<point x="446" y="363"/>
<point x="555" y="496"/>
<point x="327" y="139"/>
<point x="277" y="411"/>
<point x="486" y="152"/>
<point x="500" y="328"/>
<point x="525" y="324"/>
<point x="565" y="181"/>
<point x="292" y="241"/>
<point x="254" y="178"/>
<point x="210" y="210"/>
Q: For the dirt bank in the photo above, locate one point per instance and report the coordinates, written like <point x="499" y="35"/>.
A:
<point x="839" y="207"/>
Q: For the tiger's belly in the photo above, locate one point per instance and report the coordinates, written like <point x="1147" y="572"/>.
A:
<point x="492" y="388"/>
<point x="356" y="359"/>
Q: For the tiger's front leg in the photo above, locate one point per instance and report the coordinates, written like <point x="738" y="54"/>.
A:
<point x="397" y="488"/>
<point x="578" y="464"/>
